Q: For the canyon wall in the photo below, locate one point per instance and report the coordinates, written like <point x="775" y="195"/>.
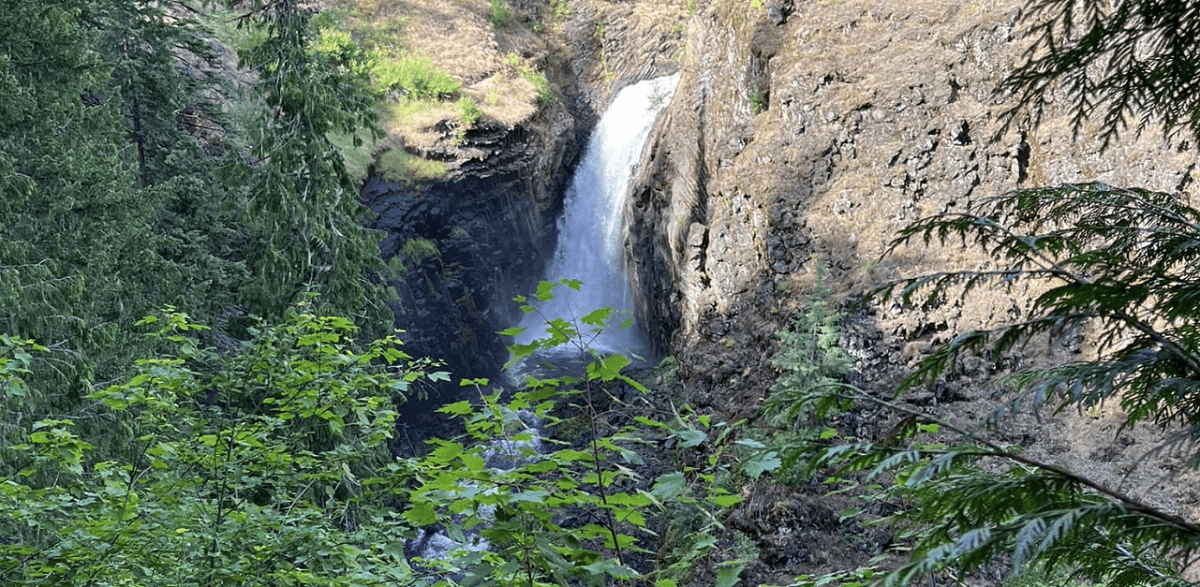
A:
<point x="491" y="221"/>
<point x="802" y="136"/>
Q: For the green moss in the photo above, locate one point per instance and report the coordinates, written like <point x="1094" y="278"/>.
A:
<point x="399" y="166"/>
<point x="418" y="249"/>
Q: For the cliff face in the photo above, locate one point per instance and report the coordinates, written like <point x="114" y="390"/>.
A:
<point x="460" y="246"/>
<point x="801" y="137"/>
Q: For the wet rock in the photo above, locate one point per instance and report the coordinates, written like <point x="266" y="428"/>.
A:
<point x="491" y="221"/>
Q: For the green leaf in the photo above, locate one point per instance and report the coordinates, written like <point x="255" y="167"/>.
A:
<point x="669" y="486"/>
<point x="597" y="317"/>
<point x="762" y="462"/>
<point x="473" y="462"/>
<point x="421" y="514"/>
<point x="608" y="368"/>
<point x="520" y="351"/>
<point x="691" y="437"/>
<point x="725" y="501"/>
<point x="446" y="452"/>
<point x="728" y="574"/>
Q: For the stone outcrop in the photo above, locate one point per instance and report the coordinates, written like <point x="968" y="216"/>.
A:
<point x="801" y="137"/>
<point x="491" y="220"/>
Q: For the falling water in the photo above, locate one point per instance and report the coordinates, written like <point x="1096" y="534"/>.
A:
<point x="590" y="250"/>
<point x="590" y="232"/>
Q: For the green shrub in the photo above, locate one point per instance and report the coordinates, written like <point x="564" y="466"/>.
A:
<point x="416" y="76"/>
<point x="539" y="80"/>
<point x="540" y="83"/>
<point x="502" y="15"/>
<point x="759" y="98"/>
<point x="468" y="111"/>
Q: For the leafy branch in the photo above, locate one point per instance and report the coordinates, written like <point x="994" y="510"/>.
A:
<point x="1118" y="262"/>
<point x="1115" y="61"/>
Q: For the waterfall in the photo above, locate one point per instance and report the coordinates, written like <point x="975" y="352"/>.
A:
<point x="590" y="232"/>
<point x="591" y="250"/>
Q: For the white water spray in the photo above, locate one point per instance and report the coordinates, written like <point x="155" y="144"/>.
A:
<point x="590" y="236"/>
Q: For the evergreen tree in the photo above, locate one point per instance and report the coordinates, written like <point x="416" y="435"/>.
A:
<point x="304" y="212"/>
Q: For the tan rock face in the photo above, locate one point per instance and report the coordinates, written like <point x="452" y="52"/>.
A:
<point x="801" y="137"/>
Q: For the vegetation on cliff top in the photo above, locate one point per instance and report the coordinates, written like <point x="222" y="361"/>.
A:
<point x="429" y="74"/>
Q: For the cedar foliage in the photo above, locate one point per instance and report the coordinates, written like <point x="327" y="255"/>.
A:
<point x="1113" y="62"/>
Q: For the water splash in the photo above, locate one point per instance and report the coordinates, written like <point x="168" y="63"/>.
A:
<point x="590" y="231"/>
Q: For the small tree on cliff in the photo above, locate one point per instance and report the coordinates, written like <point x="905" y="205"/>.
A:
<point x="1121" y="261"/>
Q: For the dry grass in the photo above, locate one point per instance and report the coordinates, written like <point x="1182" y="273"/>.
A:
<point x="505" y="98"/>
<point x="461" y="39"/>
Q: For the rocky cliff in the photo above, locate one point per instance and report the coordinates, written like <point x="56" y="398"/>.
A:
<point x="460" y="245"/>
<point x="801" y="137"/>
<point x="464" y="242"/>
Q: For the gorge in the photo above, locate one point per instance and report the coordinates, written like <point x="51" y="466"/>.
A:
<point x="800" y="137"/>
<point x="217" y="367"/>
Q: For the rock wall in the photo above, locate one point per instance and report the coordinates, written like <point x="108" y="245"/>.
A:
<point x="491" y="220"/>
<point x="803" y="134"/>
